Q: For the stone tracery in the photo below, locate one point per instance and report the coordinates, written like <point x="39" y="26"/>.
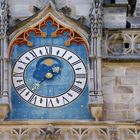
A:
<point x="123" y="43"/>
<point x="102" y="132"/>
<point x="37" y="29"/>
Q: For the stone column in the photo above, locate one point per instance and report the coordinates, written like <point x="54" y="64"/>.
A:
<point x="95" y="97"/>
<point x="5" y="66"/>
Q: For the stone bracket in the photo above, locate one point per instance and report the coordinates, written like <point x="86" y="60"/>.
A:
<point x="4" y="110"/>
<point x="96" y="106"/>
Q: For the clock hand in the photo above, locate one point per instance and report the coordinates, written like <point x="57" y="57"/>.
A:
<point x="48" y="75"/>
<point x="37" y="85"/>
<point x="42" y="81"/>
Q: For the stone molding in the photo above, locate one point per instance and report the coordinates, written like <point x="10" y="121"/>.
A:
<point x="57" y="131"/>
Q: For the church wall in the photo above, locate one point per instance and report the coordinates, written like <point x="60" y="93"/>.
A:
<point x="114" y="17"/>
<point x="121" y="83"/>
<point x="76" y="7"/>
<point x="120" y="80"/>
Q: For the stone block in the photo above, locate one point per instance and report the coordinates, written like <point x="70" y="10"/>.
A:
<point x="131" y="115"/>
<point x="137" y="94"/>
<point x="137" y="112"/>
<point x="137" y="107"/>
<point x="114" y="17"/>
<point x="123" y="89"/>
<point x="121" y="106"/>
<point x="16" y="11"/>
<point x="126" y="98"/>
<point x="20" y="2"/>
<point x="117" y="98"/>
<point x="138" y="77"/>
<point x="108" y="106"/>
<point x="109" y="98"/>
<point x="129" y="80"/>
<point x="120" y="71"/>
<point x="108" y="81"/>
<point x="121" y="2"/>
<point x="107" y="1"/>
<point x="108" y="72"/>
<point x="114" y="116"/>
<point x="79" y="7"/>
<point x="125" y="114"/>
<point x="118" y="80"/>
<point x="108" y="94"/>
<point x="131" y="72"/>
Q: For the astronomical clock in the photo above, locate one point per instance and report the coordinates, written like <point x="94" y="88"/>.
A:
<point x="49" y="70"/>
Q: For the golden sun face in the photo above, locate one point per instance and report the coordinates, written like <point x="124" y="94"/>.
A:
<point x="49" y="62"/>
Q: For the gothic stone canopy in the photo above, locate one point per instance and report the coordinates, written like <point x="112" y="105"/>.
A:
<point x="59" y="20"/>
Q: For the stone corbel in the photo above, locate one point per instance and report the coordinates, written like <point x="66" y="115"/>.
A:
<point x="4" y="110"/>
<point x="96" y="106"/>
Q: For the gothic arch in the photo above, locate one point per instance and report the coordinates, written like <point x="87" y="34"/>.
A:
<point x="62" y="24"/>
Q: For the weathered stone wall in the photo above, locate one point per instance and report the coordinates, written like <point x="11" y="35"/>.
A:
<point x="114" y="17"/>
<point x="78" y="7"/>
<point x="121" y="91"/>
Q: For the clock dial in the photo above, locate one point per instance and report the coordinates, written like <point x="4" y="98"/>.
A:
<point x="49" y="77"/>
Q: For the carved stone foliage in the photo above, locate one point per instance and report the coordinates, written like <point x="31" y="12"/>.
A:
<point x="122" y="44"/>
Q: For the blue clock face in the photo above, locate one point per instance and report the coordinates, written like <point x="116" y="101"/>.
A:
<point x="49" y="77"/>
